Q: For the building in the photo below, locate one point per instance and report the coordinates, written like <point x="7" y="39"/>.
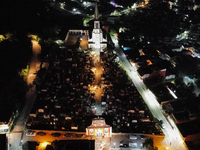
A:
<point x="149" y="72"/>
<point x="101" y="132"/>
<point x="8" y="116"/>
<point x="97" y="43"/>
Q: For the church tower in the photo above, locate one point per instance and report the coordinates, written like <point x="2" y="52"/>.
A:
<point x="97" y="43"/>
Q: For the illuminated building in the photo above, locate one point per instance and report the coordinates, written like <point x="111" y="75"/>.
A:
<point x="101" y="132"/>
<point x="97" y="43"/>
<point x="7" y="119"/>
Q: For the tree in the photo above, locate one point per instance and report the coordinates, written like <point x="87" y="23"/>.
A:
<point x="14" y="56"/>
<point x="112" y="32"/>
<point x="154" y="21"/>
<point x="149" y="144"/>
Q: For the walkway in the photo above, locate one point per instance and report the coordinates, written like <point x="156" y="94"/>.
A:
<point x="98" y="71"/>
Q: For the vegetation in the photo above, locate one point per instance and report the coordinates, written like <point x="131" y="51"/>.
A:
<point x="24" y="72"/>
<point x="15" y="51"/>
<point x="149" y="144"/>
<point x="14" y="57"/>
<point x="153" y="21"/>
<point x="112" y="32"/>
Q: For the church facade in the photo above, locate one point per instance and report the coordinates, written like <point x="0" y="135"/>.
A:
<point x="97" y="43"/>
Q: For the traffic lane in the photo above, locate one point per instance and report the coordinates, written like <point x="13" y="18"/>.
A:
<point x="157" y="112"/>
<point x="138" y="83"/>
<point x="155" y="109"/>
<point x="146" y="94"/>
<point x="153" y="104"/>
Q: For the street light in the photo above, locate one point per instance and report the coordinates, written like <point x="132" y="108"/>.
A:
<point x="44" y="144"/>
<point x="84" y="3"/>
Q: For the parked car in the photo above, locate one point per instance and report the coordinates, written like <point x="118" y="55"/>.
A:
<point x="56" y="134"/>
<point x="68" y="135"/>
<point x="133" y="137"/>
<point x="41" y="133"/>
<point x="123" y="145"/>
<point x="31" y="133"/>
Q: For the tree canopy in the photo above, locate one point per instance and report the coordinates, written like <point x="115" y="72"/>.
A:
<point x="153" y="21"/>
<point x="14" y="56"/>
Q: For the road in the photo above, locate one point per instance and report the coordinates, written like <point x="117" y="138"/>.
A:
<point x="15" y="137"/>
<point x="35" y="63"/>
<point x="173" y="140"/>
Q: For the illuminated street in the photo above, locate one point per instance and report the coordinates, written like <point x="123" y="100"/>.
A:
<point x="100" y="75"/>
<point x="16" y="135"/>
<point x="172" y="140"/>
<point x="35" y="63"/>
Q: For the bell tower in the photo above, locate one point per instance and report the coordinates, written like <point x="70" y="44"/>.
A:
<point x="97" y="43"/>
<point x="101" y="132"/>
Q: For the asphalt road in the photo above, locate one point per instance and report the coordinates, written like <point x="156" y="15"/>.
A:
<point x="16" y="136"/>
<point x="173" y="139"/>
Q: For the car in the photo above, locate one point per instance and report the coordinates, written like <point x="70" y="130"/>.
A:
<point x="31" y="133"/>
<point x="133" y="145"/>
<point x="142" y="136"/>
<point x="123" y="145"/>
<point x="56" y="134"/>
<point x="93" y="107"/>
<point x="68" y="135"/>
<point x="162" y="124"/>
<point x="41" y="133"/>
<point x="133" y="137"/>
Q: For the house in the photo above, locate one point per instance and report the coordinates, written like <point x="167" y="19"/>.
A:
<point x="7" y="116"/>
<point x="151" y="71"/>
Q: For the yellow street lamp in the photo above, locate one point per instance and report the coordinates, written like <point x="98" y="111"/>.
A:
<point x="43" y="145"/>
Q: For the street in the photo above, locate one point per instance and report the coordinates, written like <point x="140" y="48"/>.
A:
<point x="173" y="139"/>
<point x="15" y="137"/>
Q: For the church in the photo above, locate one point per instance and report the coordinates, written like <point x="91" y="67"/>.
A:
<point x="97" y="43"/>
